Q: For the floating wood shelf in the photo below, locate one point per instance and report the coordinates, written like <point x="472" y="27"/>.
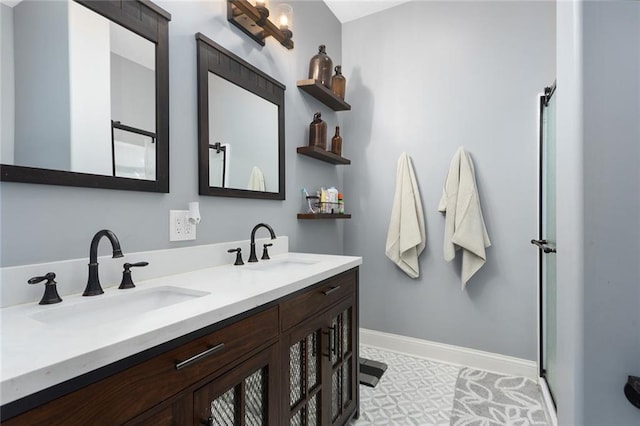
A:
<point x="323" y="216"/>
<point x="324" y="95"/>
<point x="322" y="154"/>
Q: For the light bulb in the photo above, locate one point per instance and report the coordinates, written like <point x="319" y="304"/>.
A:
<point x="284" y="22"/>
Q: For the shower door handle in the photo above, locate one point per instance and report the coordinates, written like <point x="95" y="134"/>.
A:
<point x="542" y="245"/>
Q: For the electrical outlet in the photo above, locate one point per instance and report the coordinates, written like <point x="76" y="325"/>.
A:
<point x="179" y="227"/>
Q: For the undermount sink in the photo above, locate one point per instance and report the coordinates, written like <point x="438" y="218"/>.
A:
<point x="282" y="265"/>
<point x="104" y="309"/>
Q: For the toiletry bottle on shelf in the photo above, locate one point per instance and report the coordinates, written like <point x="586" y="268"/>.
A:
<point x="318" y="132"/>
<point x="338" y="83"/>
<point x="336" y="142"/>
<point x="318" y="202"/>
<point x="320" y="67"/>
<point x="323" y="200"/>
<point x="332" y="200"/>
<point x="340" y="203"/>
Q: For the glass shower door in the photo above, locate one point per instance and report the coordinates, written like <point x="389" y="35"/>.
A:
<point x="547" y="240"/>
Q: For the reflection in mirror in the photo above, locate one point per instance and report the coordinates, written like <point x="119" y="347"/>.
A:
<point x="84" y="94"/>
<point x="241" y="156"/>
<point x="241" y="126"/>
<point x="133" y="152"/>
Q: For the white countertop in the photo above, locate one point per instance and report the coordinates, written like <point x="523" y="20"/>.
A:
<point x="35" y="355"/>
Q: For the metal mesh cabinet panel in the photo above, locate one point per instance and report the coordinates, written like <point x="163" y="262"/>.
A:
<point x="341" y="358"/>
<point x="304" y="380"/>
<point x="246" y="400"/>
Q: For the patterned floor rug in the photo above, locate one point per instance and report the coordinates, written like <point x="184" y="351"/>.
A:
<point x="488" y="399"/>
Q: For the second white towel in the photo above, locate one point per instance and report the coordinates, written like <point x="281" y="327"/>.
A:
<point x="406" y="237"/>
<point x="464" y="225"/>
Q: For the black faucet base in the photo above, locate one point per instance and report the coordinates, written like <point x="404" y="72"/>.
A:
<point x="252" y="256"/>
<point x="93" y="287"/>
<point x="93" y="292"/>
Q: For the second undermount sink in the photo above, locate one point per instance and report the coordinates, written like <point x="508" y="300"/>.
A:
<point x="104" y="309"/>
<point x="282" y="264"/>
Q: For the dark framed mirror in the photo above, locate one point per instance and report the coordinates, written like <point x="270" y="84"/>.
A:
<point x="240" y="126"/>
<point x="87" y="94"/>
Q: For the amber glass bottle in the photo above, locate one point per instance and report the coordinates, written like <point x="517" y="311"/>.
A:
<point x="318" y="132"/>
<point x="338" y="83"/>
<point x="320" y="67"/>
<point x="336" y="142"/>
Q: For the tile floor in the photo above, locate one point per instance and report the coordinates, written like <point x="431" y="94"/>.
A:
<point x="413" y="391"/>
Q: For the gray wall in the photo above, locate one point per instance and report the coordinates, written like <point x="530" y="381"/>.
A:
<point x="611" y="117"/>
<point x="42" y="97"/>
<point x="133" y="92"/>
<point x="569" y="219"/>
<point x="441" y="75"/>
<point x="7" y="84"/>
<point x="42" y="223"/>
<point x="599" y="224"/>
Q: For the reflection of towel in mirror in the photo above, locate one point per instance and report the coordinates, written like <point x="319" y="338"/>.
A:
<point x="256" y="180"/>
<point x="464" y="225"/>
<point x="406" y="235"/>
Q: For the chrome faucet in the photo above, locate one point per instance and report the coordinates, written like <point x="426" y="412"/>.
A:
<point x="252" y="255"/>
<point x="93" y="283"/>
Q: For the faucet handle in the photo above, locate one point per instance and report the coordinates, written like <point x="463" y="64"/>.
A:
<point x="50" y="291"/>
<point x="265" y="253"/>
<point x="238" y="255"/>
<point x="127" y="282"/>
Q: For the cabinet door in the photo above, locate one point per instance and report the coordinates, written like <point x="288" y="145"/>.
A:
<point x="302" y="382"/>
<point x="320" y="364"/>
<point x="243" y="396"/>
<point x="342" y="359"/>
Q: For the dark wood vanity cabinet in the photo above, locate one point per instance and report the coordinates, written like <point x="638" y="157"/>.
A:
<point x="320" y="356"/>
<point x="291" y="362"/>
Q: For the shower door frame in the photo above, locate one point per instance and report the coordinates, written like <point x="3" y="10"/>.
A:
<point x="547" y="393"/>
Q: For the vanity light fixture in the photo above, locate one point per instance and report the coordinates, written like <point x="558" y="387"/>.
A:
<point x="254" y="21"/>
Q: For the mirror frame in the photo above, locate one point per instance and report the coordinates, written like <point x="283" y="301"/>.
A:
<point x="214" y="58"/>
<point x="151" y="22"/>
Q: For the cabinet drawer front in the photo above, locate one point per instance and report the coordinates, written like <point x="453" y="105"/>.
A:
<point x="124" y="395"/>
<point x="317" y="299"/>
<point x="212" y="352"/>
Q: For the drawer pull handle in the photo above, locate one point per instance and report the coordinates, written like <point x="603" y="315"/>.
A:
<point x="187" y="362"/>
<point x="331" y="290"/>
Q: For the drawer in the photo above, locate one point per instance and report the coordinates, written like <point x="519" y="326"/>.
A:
<point x="316" y="299"/>
<point x="120" y="397"/>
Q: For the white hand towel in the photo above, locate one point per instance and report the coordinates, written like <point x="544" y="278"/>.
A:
<point x="256" y="180"/>
<point x="464" y="225"/>
<point x="406" y="235"/>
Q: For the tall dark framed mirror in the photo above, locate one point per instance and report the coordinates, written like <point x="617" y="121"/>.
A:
<point x="85" y="94"/>
<point x="240" y="126"/>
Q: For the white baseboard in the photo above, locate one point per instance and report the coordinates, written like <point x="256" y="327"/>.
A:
<point x="450" y="354"/>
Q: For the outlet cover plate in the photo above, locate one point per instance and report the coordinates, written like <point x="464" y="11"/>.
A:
<point x="179" y="227"/>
